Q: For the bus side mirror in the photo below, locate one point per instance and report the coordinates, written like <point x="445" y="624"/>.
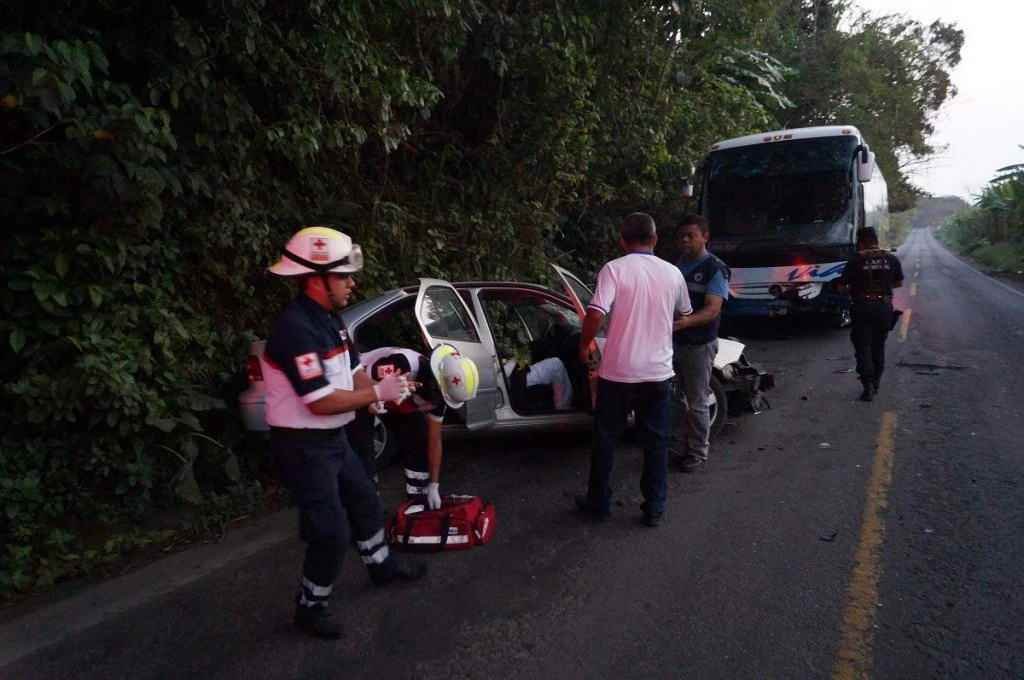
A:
<point x="687" y="189"/>
<point x="865" y="164"/>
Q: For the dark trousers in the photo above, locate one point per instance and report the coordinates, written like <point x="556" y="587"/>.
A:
<point x="360" y="435"/>
<point x="410" y="429"/>
<point x="337" y="503"/>
<point x="410" y="433"/>
<point x="614" y="402"/>
<point x="871" y="323"/>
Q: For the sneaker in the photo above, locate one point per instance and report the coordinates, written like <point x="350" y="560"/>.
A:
<point x="584" y="506"/>
<point x="317" y="621"/>
<point x="689" y="463"/>
<point x="876" y="384"/>
<point x="868" y="394"/>
<point x="402" y="571"/>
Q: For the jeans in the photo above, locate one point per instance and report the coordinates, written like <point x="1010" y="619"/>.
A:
<point x="871" y="323"/>
<point x="614" y="402"/>
<point x="690" y="434"/>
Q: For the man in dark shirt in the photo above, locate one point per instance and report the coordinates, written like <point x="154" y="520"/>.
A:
<point x="870" y="277"/>
<point x="314" y="384"/>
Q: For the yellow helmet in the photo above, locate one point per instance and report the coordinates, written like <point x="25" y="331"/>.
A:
<point x="319" y="250"/>
<point x="456" y="375"/>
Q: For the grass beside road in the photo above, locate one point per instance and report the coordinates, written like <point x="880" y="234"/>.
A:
<point x="1003" y="257"/>
<point x="1000" y="257"/>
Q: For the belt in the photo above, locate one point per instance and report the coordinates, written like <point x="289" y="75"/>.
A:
<point x="306" y="433"/>
<point x="872" y="298"/>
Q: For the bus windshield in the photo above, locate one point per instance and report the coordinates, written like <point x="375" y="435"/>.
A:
<point x="794" y="192"/>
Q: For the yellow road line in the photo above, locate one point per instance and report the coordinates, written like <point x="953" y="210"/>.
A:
<point x="913" y="289"/>
<point x="905" y="324"/>
<point x="855" y="655"/>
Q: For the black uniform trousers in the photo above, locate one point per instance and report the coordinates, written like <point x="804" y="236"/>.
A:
<point x="410" y="433"/>
<point x="872" y="320"/>
<point x="337" y="503"/>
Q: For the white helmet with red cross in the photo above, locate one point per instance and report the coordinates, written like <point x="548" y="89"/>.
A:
<point x="319" y="250"/>
<point x="456" y="375"/>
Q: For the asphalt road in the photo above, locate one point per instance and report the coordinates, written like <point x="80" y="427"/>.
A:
<point x="827" y="538"/>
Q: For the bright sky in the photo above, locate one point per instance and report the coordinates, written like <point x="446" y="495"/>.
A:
<point x="982" y="126"/>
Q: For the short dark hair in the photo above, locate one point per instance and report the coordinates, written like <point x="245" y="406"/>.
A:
<point x="638" y="228"/>
<point x="693" y="218"/>
<point x="867" y="236"/>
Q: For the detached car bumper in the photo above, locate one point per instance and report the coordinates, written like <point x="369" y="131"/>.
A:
<point x="746" y="384"/>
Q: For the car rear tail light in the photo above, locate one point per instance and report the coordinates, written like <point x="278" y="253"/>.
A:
<point x="253" y="370"/>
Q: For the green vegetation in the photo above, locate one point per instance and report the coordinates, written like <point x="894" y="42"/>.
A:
<point x="992" y="230"/>
<point x="156" y="156"/>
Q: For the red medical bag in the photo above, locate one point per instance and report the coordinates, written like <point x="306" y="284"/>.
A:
<point x="459" y="524"/>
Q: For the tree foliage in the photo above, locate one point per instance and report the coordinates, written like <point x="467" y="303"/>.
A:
<point x="154" y="158"/>
<point x="889" y="75"/>
<point x="992" y="230"/>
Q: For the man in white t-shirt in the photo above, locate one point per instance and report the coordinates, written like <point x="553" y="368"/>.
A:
<point x="636" y="371"/>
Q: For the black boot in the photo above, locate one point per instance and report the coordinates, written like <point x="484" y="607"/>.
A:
<point x="397" y="570"/>
<point x="317" y="621"/>
<point x="869" y="392"/>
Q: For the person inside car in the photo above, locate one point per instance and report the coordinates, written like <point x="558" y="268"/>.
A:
<point x="550" y="375"/>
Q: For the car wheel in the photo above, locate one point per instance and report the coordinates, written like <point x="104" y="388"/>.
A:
<point x="385" y="445"/>
<point x="719" y="406"/>
<point x="718" y="409"/>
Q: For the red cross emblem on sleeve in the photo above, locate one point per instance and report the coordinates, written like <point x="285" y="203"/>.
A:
<point x="309" y="366"/>
<point x="456" y="380"/>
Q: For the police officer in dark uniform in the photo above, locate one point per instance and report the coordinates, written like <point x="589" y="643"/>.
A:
<point x="312" y="390"/>
<point x="870" y="276"/>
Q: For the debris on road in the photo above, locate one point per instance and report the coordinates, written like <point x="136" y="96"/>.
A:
<point x="936" y="367"/>
<point x="830" y="537"/>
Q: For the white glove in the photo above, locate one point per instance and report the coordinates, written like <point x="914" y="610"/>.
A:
<point x="392" y="388"/>
<point x="433" y="496"/>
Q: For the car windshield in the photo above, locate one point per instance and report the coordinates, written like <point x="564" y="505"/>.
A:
<point x="787" y="192"/>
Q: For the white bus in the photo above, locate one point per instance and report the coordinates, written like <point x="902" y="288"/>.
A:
<point x="784" y="208"/>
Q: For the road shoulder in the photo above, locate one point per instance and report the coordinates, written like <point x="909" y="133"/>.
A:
<point x="48" y="624"/>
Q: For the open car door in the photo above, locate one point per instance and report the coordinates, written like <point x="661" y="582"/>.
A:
<point x="579" y="293"/>
<point x="444" y="318"/>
